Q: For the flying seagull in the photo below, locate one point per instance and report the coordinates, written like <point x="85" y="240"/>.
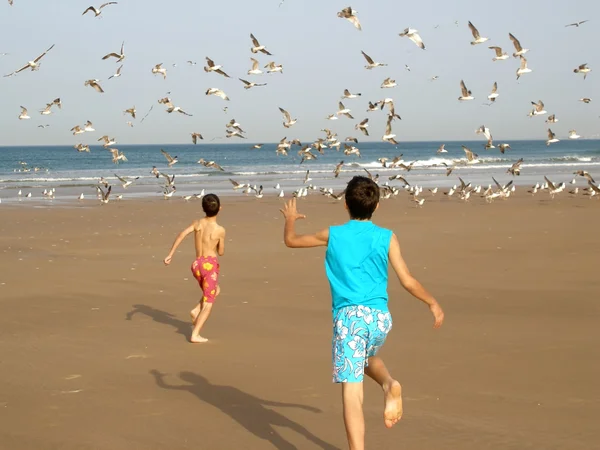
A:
<point x="212" y="67"/>
<point x="125" y="181"/>
<point x="342" y="110"/>
<point x="519" y="50"/>
<point x="466" y="94"/>
<point x="195" y="137"/>
<point x="472" y="158"/>
<point x="173" y="109"/>
<point x="274" y="67"/>
<point x="476" y="35"/>
<point x="500" y="55"/>
<point x="389" y="136"/>
<point x="217" y="92"/>
<point x="94" y="83"/>
<point x="98" y="11"/>
<point x="249" y="85"/>
<point x="363" y="127"/>
<point x="160" y="69"/>
<point x="23" y="115"/>
<point x="257" y="47"/>
<point x="494" y="94"/>
<point x="120" y="56"/>
<point x="583" y="173"/>
<point x="371" y="64"/>
<point x="576" y="24"/>
<point x="584" y="69"/>
<point x="523" y="68"/>
<point x="118" y="74"/>
<point x="255" y="69"/>
<point x="551" y="138"/>
<point x="347" y="94"/>
<point x="350" y="14"/>
<point x="170" y="159"/>
<point x="131" y="111"/>
<point x="413" y="35"/>
<point x="288" y="119"/>
<point x="33" y="65"/>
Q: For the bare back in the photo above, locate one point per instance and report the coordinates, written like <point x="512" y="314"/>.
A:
<point x="208" y="236"/>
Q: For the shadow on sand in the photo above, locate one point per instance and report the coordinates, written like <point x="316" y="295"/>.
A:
<point x="182" y="327"/>
<point x="250" y="412"/>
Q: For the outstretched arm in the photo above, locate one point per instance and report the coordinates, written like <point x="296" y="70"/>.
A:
<point x="290" y="405"/>
<point x="160" y="381"/>
<point x="411" y="284"/>
<point x="293" y="240"/>
<point x="178" y="241"/>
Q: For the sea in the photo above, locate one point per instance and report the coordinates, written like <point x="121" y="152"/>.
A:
<point x="70" y="173"/>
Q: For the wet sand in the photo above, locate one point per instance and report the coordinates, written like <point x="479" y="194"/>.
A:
<point x="93" y="329"/>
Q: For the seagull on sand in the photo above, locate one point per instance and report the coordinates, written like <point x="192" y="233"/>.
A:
<point x="472" y="158"/>
<point x="500" y="55"/>
<point x="466" y="94"/>
<point x="551" y="138"/>
<point x="170" y="159"/>
<point x="413" y="35"/>
<point x="217" y="92"/>
<point x="370" y="63"/>
<point x="23" y="115"/>
<point x="523" y="69"/>
<point x="33" y="65"/>
<point x="515" y="169"/>
<point x="476" y="35"/>
<point x="389" y="136"/>
<point x="159" y="69"/>
<point x="249" y="85"/>
<point x="274" y="67"/>
<point x="94" y="84"/>
<point x="554" y="189"/>
<point x="98" y="11"/>
<point x="583" y="173"/>
<point x="350" y="14"/>
<point x="573" y="135"/>
<point x="211" y="67"/>
<point x="195" y="137"/>
<point x="494" y="94"/>
<point x="576" y="24"/>
<point x="584" y="69"/>
<point x="255" y="69"/>
<point x="388" y="83"/>
<point x="117" y="74"/>
<point x="257" y="47"/>
<point x="362" y="126"/>
<point x="120" y="56"/>
<point x="104" y="196"/>
<point x="519" y="50"/>
<point x="288" y="119"/>
<point x="125" y="181"/>
<point x="131" y="111"/>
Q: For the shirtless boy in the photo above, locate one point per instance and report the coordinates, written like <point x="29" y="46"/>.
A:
<point x="209" y="238"/>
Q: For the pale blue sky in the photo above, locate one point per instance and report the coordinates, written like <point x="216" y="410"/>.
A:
<point x="321" y="56"/>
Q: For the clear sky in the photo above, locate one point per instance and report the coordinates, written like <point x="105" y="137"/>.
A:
<point x="321" y="56"/>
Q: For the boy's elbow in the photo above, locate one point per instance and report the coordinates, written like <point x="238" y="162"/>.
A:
<point x="410" y="283"/>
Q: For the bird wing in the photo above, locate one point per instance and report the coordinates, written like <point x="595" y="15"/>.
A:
<point x="498" y="50"/>
<point x="116" y="55"/>
<point x="106" y="4"/>
<point x="417" y="40"/>
<point x="286" y="114"/>
<point x="550" y="183"/>
<point x="515" y="42"/>
<point x="354" y="21"/>
<point x="247" y="83"/>
<point x="463" y="89"/>
<point x="254" y="63"/>
<point x="474" y="31"/>
<point x="497" y="184"/>
<point x="43" y="54"/>
<point x="121" y="178"/>
<point x="468" y="152"/>
<point x="367" y="57"/>
<point x="495" y="88"/>
<point x="169" y="158"/>
<point x="235" y="183"/>
<point x="210" y="62"/>
<point x="91" y="8"/>
<point x="97" y="87"/>
<point x="523" y="62"/>
<point x="254" y="40"/>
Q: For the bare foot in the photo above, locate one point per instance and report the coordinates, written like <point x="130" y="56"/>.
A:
<point x="198" y="340"/>
<point x="393" y="404"/>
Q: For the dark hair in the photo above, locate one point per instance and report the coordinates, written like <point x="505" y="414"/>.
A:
<point x="362" y="197"/>
<point x="211" y="205"/>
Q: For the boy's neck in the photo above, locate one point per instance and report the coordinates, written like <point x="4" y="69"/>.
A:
<point x="210" y="219"/>
<point x="360" y="220"/>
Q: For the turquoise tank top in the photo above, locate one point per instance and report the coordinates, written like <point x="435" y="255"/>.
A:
<point x="356" y="263"/>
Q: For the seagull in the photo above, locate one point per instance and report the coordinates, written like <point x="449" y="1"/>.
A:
<point x="255" y="70"/>
<point x="257" y="47"/>
<point x="234" y="133"/>
<point x="237" y="185"/>
<point x="33" y="65"/>
<point x="274" y="67"/>
<point x="538" y="109"/>
<point x="338" y="168"/>
<point x="472" y="158"/>
<point x="399" y="177"/>
<point x="585" y="100"/>
<point x="170" y="159"/>
<point x="552" y="119"/>
<point x="98" y="11"/>
<point x="350" y="14"/>
<point x="573" y="135"/>
<point x="259" y="192"/>
<point x="88" y="127"/>
<point x="23" y="115"/>
<point x="342" y="110"/>
<point x="583" y="173"/>
<point x="519" y="50"/>
<point x="503" y="147"/>
<point x="170" y="179"/>
<point x="442" y="149"/>
<point x="351" y="150"/>
<point x="47" y="111"/>
<point x="131" y="111"/>
<point x="116" y="155"/>
<point x="288" y="119"/>
<point x="551" y="137"/>
<point x="500" y="55"/>
<point x="210" y="164"/>
<point x="494" y="94"/>
<point x="515" y="169"/>
<point x="331" y="117"/>
<point x="104" y="196"/>
<point x="576" y="24"/>
<point x="77" y="130"/>
<point x="233" y="124"/>
<point x="476" y="35"/>
<point x="168" y="192"/>
<point x="211" y="67"/>
<point x="388" y="136"/>
<point x="94" y="83"/>
<point x="362" y="126"/>
<point x="388" y="83"/>
<point x="485" y="131"/>
<point x="126" y="183"/>
<point x="257" y="146"/>
<point x="160" y="69"/>
<point x="82" y="148"/>
<point x="466" y="94"/>
<point x="371" y="64"/>
<point x="523" y="68"/>
<point x="120" y="56"/>
<point x="306" y="177"/>
<point x="217" y="92"/>
<point x="155" y="172"/>
<point x="419" y="202"/>
<point x="107" y="141"/>
<point x="43" y="126"/>
<point x="173" y="109"/>
<point x="249" y="85"/>
<point x="413" y="35"/>
<point x="584" y="69"/>
<point x="195" y="137"/>
<point x="347" y="94"/>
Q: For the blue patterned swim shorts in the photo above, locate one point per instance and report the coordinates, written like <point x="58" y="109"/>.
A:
<point x="358" y="333"/>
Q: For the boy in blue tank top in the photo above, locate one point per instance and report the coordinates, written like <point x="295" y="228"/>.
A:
<point x="356" y="264"/>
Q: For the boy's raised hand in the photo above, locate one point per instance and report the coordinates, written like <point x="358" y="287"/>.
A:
<point x="290" y="211"/>
<point x="167" y="260"/>
<point x="438" y="314"/>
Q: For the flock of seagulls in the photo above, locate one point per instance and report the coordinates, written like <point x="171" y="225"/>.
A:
<point x="330" y="141"/>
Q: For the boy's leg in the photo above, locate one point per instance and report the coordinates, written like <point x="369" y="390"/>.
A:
<point x="204" y="313"/>
<point x="392" y="391"/>
<point x="352" y="398"/>
<point x="196" y="311"/>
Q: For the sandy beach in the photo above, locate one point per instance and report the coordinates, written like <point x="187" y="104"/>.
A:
<point x="94" y="328"/>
